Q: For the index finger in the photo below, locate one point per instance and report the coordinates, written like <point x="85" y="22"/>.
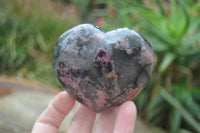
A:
<point x="50" y="120"/>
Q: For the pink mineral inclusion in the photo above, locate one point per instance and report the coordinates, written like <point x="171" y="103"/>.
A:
<point x="76" y="30"/>
<point x="101" y="99"/>
<point x="129" y="51"/>
<point x="117" y="45"/>
<point x="69" y="82"/>
<point x="146" y="57"/>
<point x="105" y="58"/>
<point x="86" y="100"/>
<point x="125" y="44"/>
<point x="66" y="80"/>
<point x="84" y="39"/>
<point x="133" y="92"/>
<point x="73" y="48"/>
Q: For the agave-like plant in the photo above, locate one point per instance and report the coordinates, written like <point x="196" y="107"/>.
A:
<point x="173" y="29"/>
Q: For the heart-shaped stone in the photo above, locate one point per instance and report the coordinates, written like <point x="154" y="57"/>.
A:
<point x="102" y="69"/>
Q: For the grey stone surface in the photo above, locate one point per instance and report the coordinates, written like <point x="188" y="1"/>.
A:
<point x="102" y="69"/>
<point x="20" y="110"/>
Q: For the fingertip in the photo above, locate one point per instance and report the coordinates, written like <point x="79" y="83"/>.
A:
<point x="64" y="98"/>
<point x="63" y="101"/>
<point x="106" y="120"/>
<point x="83" y="120"/>
<point x="126" y="118"/>
<point x="129" y="107"/>
<point x="63" y="94"/>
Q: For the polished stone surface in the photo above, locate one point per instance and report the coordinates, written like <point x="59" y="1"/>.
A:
<point x="102" y="69"/>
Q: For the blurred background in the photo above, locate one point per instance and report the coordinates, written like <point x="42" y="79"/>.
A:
<point x="30" y="28"/>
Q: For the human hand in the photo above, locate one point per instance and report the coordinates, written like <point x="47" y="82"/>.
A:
<point x="116" y="120"/>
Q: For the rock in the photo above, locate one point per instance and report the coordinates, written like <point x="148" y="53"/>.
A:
<point x="102" y="69"/>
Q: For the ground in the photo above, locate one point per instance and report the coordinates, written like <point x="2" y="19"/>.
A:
<point x="22" y="101"/>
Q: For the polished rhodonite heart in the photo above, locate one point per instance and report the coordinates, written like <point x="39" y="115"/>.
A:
<point x="102" y="69"/>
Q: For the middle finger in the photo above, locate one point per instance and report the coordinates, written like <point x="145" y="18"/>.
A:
<point x="82" y="121"/>
<point x="106" y="121"/>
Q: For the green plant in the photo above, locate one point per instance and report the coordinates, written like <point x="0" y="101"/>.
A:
<point x="28" y="35"/>
<point x="175" y="36"/>
<point x="90" y="10"/>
